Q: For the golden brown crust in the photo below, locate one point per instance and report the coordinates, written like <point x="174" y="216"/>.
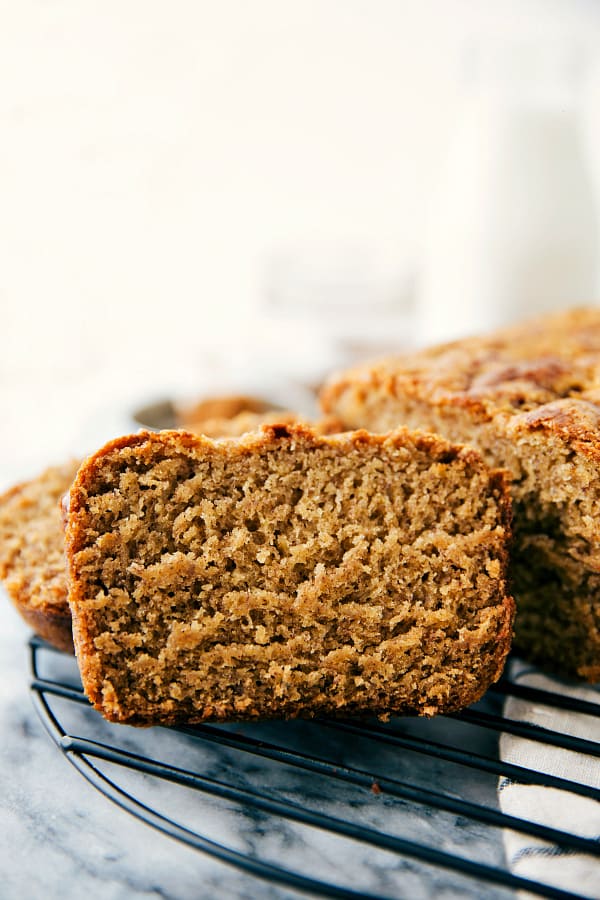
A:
<point x="222" y="408"/>
<point x="240" y="423"/>
<point x="245" y="421"/>
<point x="114" y="678"/>
<point x="236" y="414"/>
<point x="525" y="366"/>
<point x="529" y="398"/>
<point x="574" y="421"/>
<point x="51" y="625"/>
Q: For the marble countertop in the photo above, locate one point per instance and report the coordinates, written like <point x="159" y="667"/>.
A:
<point x="60" y="837"/>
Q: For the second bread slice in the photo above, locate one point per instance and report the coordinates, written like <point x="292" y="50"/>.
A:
<point x="287" y="574"/>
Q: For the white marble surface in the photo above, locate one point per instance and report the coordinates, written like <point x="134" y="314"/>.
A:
<point x="60" y="838"/>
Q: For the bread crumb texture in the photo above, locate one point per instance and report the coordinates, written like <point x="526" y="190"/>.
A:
<point x="287" y="574"/>
<point x="32" y="562"/>
<point x="528" y="398"/>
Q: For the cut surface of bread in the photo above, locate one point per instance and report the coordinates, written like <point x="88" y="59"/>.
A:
<point x="32" y="563"/>
<point x="529" y="399"/>
<point x="287" y="574"/>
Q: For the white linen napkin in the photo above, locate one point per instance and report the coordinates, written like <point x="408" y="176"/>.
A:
<point x="528" y="856"/>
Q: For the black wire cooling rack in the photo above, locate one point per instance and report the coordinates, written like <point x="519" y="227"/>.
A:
<point x="411" y="804"/>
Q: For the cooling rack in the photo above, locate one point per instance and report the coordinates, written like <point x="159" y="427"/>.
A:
<point x="409" y="805"/>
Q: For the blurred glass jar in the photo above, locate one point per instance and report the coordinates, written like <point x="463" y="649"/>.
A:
<point x="341" y="303"/>
<point x="513" y="228"/>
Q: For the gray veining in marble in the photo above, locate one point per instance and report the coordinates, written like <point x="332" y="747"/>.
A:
<point x="59" y="837"/>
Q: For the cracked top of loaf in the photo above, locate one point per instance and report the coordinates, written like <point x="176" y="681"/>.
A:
<point x="512" y="371"/>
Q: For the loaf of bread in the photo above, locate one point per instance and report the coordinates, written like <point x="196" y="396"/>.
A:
<point x="32" y="562"/>
<point x="287" y="574"/>
<point x="528" y="398"/>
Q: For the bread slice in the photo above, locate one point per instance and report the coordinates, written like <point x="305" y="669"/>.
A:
<point x="32" y="563"/>
<point x="528" y="398"/>
<point x="287" y="574"/>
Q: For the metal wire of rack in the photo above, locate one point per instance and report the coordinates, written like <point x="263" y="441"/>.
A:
<point x="350" y="781"/>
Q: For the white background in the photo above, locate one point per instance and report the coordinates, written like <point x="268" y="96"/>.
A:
<point x="155" y="156"/>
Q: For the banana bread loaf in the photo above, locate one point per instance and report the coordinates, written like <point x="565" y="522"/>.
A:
<point x="528" y="398"/>
<point x="32" y="562"/>
<point x="287" y="574"/>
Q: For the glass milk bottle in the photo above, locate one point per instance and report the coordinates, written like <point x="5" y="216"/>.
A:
<point x="513" y="228"/>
